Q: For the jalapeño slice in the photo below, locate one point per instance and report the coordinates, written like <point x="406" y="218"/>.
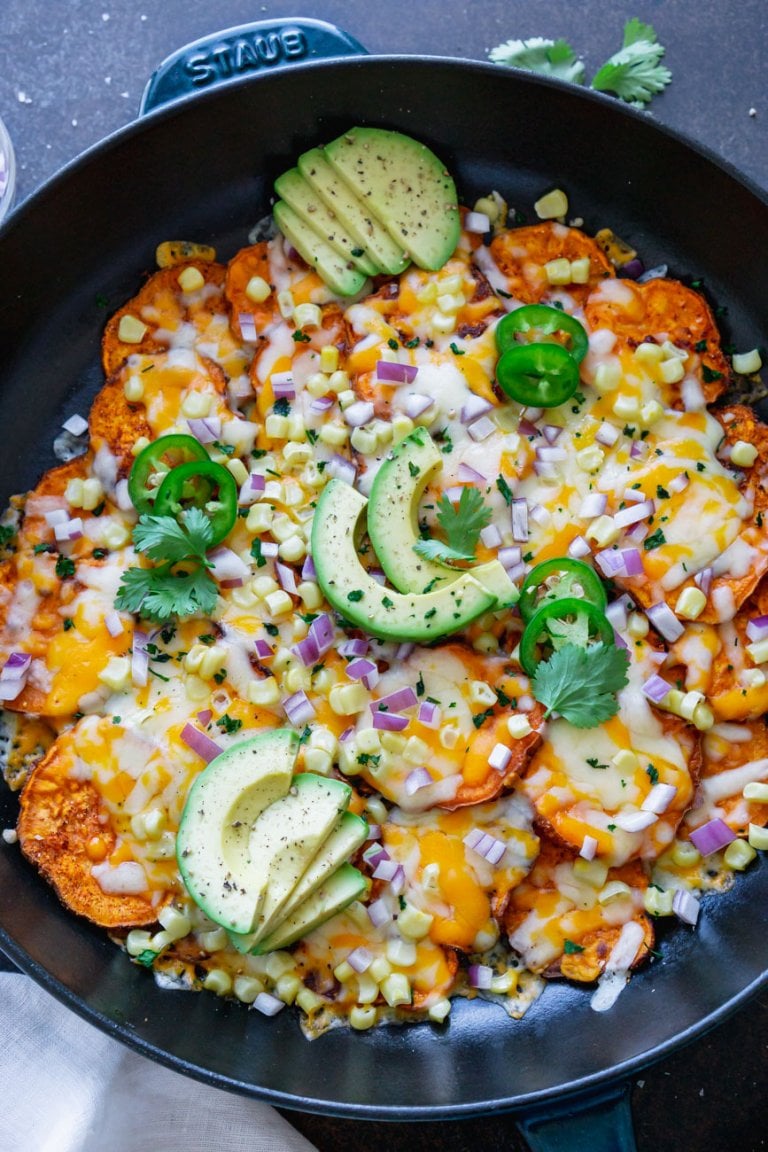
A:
<point x="200" y="484"/>
<point x="160" y="456"/>
<point x="538" y="375"/>
<point x="545" y="321"/>
<point x="559" y="622"/>
<point x="559" y="577"/>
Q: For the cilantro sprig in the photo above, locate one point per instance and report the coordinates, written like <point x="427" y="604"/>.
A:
<point x="462" y="526"/>
<point x="581" y="683"/>
<point x="180" y="584"/>
<point x="635" y="73"/>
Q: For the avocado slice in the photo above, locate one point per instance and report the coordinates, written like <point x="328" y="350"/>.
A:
<point x="354" y="214"/>
<point x="406" y="186"/>
<point x="339" y="890"/>
<point x="378" y="610"/>
<point x="285" y="840"/>
<point x="212" y="845"/>
<point x="344" y="839"/>
<point x="393" y="523"/>
<point x="338" y="272"/>
<point x="305" y="202"/>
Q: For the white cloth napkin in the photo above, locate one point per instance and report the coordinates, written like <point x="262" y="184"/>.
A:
<point x="66" y="1087"/>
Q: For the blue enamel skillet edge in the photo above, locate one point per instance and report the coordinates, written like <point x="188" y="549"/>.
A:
<point x="201" y="167"/>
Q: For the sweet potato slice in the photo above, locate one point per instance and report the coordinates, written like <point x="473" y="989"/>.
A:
<point x="521" y="254"/>
<point x="481" y="782"/>
<point x="721" y="757"/>
<point x="245" y="265"/>
<point x="61" y="831"/>
<point x="161" y="307"/>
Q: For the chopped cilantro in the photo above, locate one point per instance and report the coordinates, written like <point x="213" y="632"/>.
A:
<point x="655" y="540"/>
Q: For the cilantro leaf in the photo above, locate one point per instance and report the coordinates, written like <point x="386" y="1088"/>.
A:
<point x="166" y="538"/>
<point x="635" y="73"/>
<point x="547" y="57"/>
<point x="581" y="683"/>
<point x="161" y="593"/>
<point x="462" y="526"/>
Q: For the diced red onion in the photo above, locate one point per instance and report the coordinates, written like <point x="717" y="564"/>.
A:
<point x="545" y="470"/>
<point x="56" y="516"/>
<point x="68" y="530"/>
<point x="378" y="913"/>
<point x="490" y="536"/>
<point x="404" y="650"/>
<point x="307" y="651"/>
<point x="691" y="394"/>
<point x="616" y="614"/>
<point x="712" y="836"/>
<point x="374" y="832"/>
<point x="703" y="580"/>
<point x="386" y="868"/>
<point x="500" y="757"/>
<point x="588" y="848"/>
<point x="551" y="454"/>
<point x="283" y="386"/>
<point x="374" y="854"/>
<point x="610" y="561"/>
<point x="139" y="658"/>
<point x="321" y="629"/>
<point x="346" y="734"/>
<point x="416" y="404"/>
<point x="519" y="520"/>
<point x="204" y="717"/>
<point x="578" y="548"/>
<point x="355" y="647"/>
<point x="360" y="959"/>
<point x="308" y="569"/>
<point x="638" y="449"/>
<point x="262" y="650"/>
<point x="659" y="798"/>
<point x="16" y="667"/>
<point x="299" y="709"/>
<point x="638" y="533"/>
<point x="678" y="483"/>
<point x="685" y="906"/>
<point x="321" y="404"/>
<point x="397" y="701"/>
<point x="477" y="222"/>
<point x="378" y="575"/>
<point x="359" y="413"/>
<point x="454" y="493"/>
<point x="526" y="428"/>
<point x="551" y="433"/>
<point x="361" y="668"/>
<point x="247" y="327"/>
<point x="485" y="845"/>
<point x="227" y="566"/>
<point x="656" y="273"/>
<point x="473" y="407"/>
<point x="205" y="429"/>
<point x="205" y="748"/>
<point x="468" y="475"/>
<point x="429" y="714"/>
<point x="757" y="628"/>
<point x="268" y="1004"/>
<point x="619" y="640"/>
<point x="607" y="434"/>
<point x="480" y="976"/>
<point x="481" y="429"/>
<point x="628" y="516"/>
<point x="390" y="721"/>
<point x="633" y="561"/>
<point x="665" y="622"/>
<point x="539" y="514"/>
<point x="389" y="372"/>
<point x="531" y="413"/>
<point x="635" y="821"/>
<point x="416" y="780"/>
<point x="76" y="425"/>
<point x="341" y="469"/>
<point x="113" y="623"/>
<point x="634" y="495"/>
<point x="633" y="269"/>
<point x="252" y="489"/>
<point x="593" y="504"/>
<point x="286" y="578"/>
<point x="269" y="549"/>
<point x="656" y="689"/>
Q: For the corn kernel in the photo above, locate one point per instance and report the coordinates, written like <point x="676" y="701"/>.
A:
<point x="279" y="964"/>
<point x="672" y="370"/>
<point x="637" y="625"/>
<point x="259" y="518"/>
<point x="505" y="983"/>
<point x="131" y="330"/>
<point x="196" y="689"/>
<point x="743" y="454"/>
<point x="297" y="429"/>
<point x="396" y="989"/>
<point x="278" y="603"/>
<point x="607" y="376"/>
<point x="449" y="736"/>
<point x="614" y="890"/>
<point x="626" y="760"/>
<point x="739" y="854"/>
<point x="154" y="823"/>
<point x="757" y="791"/>
<point x="133" y="389"/>
<point x="450" y="302"/>
<point x="427" y="294"/>
<point x="415" y="751"/>
<point x="626" y="407"/>
<point x="590" y="459"/>
<point x="402" y="426"/>
<point x="276" y="427"/>
<point x="295" y="454"/>
<point x="481" y="693"/>
<point x="603" y="531"/>
<point x="658" y="903"/>
<point x="116" y="674"/>
<point x="287" y="987"/>
<point x="191" y="280"/>
<point x="648" y="353"/>
<point x="364" y="440"/>
<point x="690" y="603"/>
<point x="285" y="304"/>
<point x="73" y="493"/>
<point x="393" y="742"/>
<point x="247" y="988"/>
<point x="368" y="741"/>
<point x="703" y="717"/>
<point x="361" y="1018"/>
<point x="334" y="434"/>
<point x="92" y="494"/>
<point x="329" y="359"/>
<point x="758" y="837"/>
<point x="218" y="981"/>
<point x="338" y="381"/>
<point x="519" y="726"/>
<point x="307" y="316"/>
<point x="752" y="677"/>
<point x="115" y="535"/>
<point x="139" y="445"/>
<point x="685" y="854"/>
<point x="380" y="969"/>
<point x="292" y="550"/>
<point x="444" y="323"/>
<point x="257" y="289"/>
<point x="283" y="527"/>
<point x="346" y="699"/>
<point x="413" y="923"/>
<point x="137" y="941"/>
<point x="551" y="205"/>
<point x="176" y="923"/>
<point x="651" y="413"/>
<point x="593" y="872"/>
<point x="308" y="1000"/>
<point x="558" y="271"/>
<point x="580" y="270"/>
<point x="318" y="761"/>
<point x="367" y="987"/>
<point x="758" y="651"/>
<point x="746" y="363"/>
<point x="439" y="1011"/>
<point x="485" y="642"/>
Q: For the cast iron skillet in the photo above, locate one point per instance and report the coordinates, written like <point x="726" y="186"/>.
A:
<point x="202" y="169"/>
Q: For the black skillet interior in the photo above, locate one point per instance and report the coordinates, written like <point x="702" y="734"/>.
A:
<point x="202" y="170"/>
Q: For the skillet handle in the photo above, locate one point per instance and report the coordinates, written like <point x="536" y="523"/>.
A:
<point x="595" y="1123"/>
<point x="261" y="46"/>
